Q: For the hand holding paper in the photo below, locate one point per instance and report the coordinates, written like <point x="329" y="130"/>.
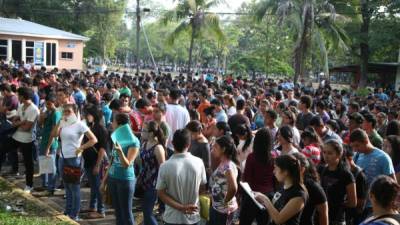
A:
<point x="255" y="196"/>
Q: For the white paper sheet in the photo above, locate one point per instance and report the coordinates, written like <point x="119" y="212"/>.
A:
<point x="246" y="187"/>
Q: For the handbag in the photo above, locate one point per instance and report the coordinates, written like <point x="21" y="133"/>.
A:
<point x="105" y="190"/>
<point x="71" y="174"/>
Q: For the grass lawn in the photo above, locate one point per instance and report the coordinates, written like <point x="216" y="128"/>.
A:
<point x="33" y="215"/>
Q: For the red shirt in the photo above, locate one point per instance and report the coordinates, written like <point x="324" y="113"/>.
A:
<point x="258" y="175"/>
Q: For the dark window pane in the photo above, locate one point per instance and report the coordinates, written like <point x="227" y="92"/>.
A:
<point x="53" y="55"/>
<point x="48" y="54"/>
<point x="29" y="44"/>
<point x="29" y="52"/>
<point x="3" y="42"/>
<point x="3" y="51"/>
<point x="29" y="59"/>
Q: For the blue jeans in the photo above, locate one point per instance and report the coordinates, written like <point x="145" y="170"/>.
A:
<point x="49" y="179"/>
<point x="96" y="201"/>
<point x="72" y="191"/>
<point x="122" y="197"/>
<point x="149" y="200"/>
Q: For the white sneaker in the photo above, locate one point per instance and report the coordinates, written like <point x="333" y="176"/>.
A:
<point x="28" y="189"/>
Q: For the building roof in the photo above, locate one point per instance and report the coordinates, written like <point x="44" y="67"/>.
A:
<point x="26" y="28"/>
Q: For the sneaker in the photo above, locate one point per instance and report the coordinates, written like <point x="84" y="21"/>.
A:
<point x="96" y="215"/>
<point x="28" y="189"/>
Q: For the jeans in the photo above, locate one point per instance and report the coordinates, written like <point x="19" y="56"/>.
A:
<point x="249" y="211"/>
<point x="12" y="147"/>
<point x="72" y="191"/>
<point x="49" y="180"/>
<point x="149" y="200"/>
<point x="96" y="201"/>
<point x="122" y="197"/>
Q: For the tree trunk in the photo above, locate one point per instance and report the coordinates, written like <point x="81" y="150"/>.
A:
<point x="191" y="51"/>
<point x="364" y="47"/>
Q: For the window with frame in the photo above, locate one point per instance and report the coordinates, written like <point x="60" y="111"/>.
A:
<point x="29" y="51"/>
<point x="67" y="55"/>
<point x="3" y="49"/>
<point x="51" y="54"/>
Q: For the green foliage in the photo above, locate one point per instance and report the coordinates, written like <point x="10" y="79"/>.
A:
<point x="363" y="92"/>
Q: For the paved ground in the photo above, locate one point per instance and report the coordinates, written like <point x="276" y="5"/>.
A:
<point x="58" y="202"/>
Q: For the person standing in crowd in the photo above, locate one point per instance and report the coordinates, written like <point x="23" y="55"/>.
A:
<point x="10" y="101"/>
<point x="270" y="118"/>
<point x="230" y="105"/>
<point x="258" y="173"/>
<point x="125" y="87"/>
<point x="285" y="140"/>
<point x="136" y="121"/>
<point x="369" y="127"/>
<point x="105" y="108"/>
<point x="199" y="145"/>
<point x="288" y="203"/>
<point x="323" y="131"/>
<point x="312" y="145"/>
<point x="317" y="203"/>
<point x="121" y="174"/>
<point x="239" y="118"/>
<point x="259" y="118"/>
<point x="244" y="144"/>
<point x="223" y="182"/>
<point x="204" y="104"/>
<point x="48" y="120"/>
<point x="178" y="183"/>
<point x="93" y="160"/>
<point x="289" y="119"/>
<point x="338" y="182"/>
<point x="159" y="111"/>
<point x="23" y="139"/>
<point x="220" y="114"/>
<point x="391" y="147"/>
<point x="71" y="132"/>
<point x="176" y="116"/>
<point x="393" y="128"/>
<point x="304" y="118"/>
<point x="383" y="194"/>
<point x="355" y="120"/>
<point x="152" y="156"/>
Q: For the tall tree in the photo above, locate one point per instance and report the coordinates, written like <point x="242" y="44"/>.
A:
<point x="194" y="18"/>
<point x="314" y="21"/>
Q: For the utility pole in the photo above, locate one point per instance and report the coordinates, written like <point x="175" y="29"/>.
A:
<point x="137" y="36"/>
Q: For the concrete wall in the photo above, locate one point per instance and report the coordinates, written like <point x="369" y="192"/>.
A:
<point x="76" y="47"/>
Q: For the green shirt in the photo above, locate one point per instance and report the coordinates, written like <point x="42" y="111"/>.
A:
<point x="52" y="118"/>
<point x="376" y="139"/>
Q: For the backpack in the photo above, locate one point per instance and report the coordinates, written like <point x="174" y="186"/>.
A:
<point x="390" y="219"/>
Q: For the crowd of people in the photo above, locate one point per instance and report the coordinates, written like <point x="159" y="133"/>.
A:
<point x="310" y="155"/>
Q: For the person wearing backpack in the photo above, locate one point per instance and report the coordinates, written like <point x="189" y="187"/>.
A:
<point x="383" y="193"/>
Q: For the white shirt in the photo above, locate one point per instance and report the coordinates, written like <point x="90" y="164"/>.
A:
<point x="296" y="136"/>
<point x="71" y="138"/>
<point x="231" y="111"/>
<point x="177" y="118"/>
<point x="31" y="114"/>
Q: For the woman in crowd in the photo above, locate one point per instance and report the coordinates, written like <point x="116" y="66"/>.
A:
<point x="220" y="129"/>
<point x="223" y="182"/>
<point x="199" y="145"/>
<point x="71" y="132"/>
<point x="230" y="105"/>
<point x="393" y="128"/>
<point x="93" y="158"/>
<point x="152" y="156"/>
<point x="259" y="117"/>
<point x="121" y="175"/>
<point x="312" y="145"/>
<point x="289" y="119"/>
<point x="383" y="193"/>
<point x="285" y="140"/>
<point x="317" y="201"/>
<point x="244" y="143"/>
<point x="338" y="182"/>
<point x="288" y="203"/>
<point x="391" y="146"/>
<point x="270" y="118"/>
<point x="258" y="173"/>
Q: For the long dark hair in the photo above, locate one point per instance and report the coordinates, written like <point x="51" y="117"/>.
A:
<point x="394" y="141"/>
<point x="291" y="165"/>
<point x="286" y="133"/>
<point x="93" y="110"/>
<point x="338" y="148"/>
<point x="262" y="146"/>
<point x="154" y="127"/>
<point x="393" y="128"/>
<point x="243" y="130"/>
<point x="310" y="170"/>
<point x="228" y="146"/>
<point x="312" y="135"/>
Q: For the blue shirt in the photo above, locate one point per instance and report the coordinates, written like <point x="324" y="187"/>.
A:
<point x="117" y="170"/>
<point x="221" y="116"/>
<point x="374" y="164"/>
<point x="79" y="97"/>
<point x="107" y="113"/>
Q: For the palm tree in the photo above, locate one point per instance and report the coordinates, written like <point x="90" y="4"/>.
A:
<point x="193" y="18"/>
<point x="315" y="23"/>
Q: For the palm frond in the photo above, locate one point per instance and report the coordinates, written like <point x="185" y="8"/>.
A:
<point x="212" y="23"/>
<point x="263" y="7"/>
<point x="184" y="26"/>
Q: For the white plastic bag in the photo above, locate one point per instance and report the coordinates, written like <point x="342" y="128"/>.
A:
<point x="47" y="165"/>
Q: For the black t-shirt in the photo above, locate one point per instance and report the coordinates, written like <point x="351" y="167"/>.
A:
<point x="334" y="184"/>
<point x="361" y="188"/>
<point x="316" y="196"/>
<point x="90" y="154"/>
<point x="283" y="196"/>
